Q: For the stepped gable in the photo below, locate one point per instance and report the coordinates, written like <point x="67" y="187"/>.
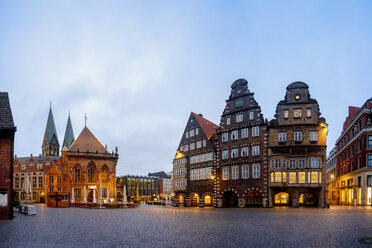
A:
<point x="87" y="142"/>
<point x="209" y="128"/>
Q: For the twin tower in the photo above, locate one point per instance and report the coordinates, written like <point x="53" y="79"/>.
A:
<point x="50" y="146"/>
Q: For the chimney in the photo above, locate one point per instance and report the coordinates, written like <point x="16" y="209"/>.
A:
<point x="200" y="115"/>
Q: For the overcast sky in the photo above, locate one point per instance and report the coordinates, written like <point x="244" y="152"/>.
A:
<point x="139" y="68"/>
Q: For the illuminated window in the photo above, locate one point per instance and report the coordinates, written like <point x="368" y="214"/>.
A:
<point x="278" y="177"/>
<point x="272" y="177"/>
<point x="284" y="177"/>
<point x="292" y="177"/>
<point x="234" y="172"/>
<point x="225" y="173"/>
<point x="244" y="133"/>
<point x="314" y="177"/>
<point x="207" y="200"/>
<point x="301" y="177"/>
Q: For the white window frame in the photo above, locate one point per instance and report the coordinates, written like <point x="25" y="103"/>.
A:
<point x="225" y="137"/>
<point x="255" y="150"/>
<point x="301" y="163"/>
<point x="234" y="153"/>
<point x="204" y="143"/>
<point x="187" y="135"/>
<point x="192" y="146"/>
<point x="292" y="163"/>
<point x="251" y="115"/>
<point x="196" y="131"/>
<point x="228" y="121"/>
<point x="245" y="172"/>
<point x="256" y="171"/>
<point x="234" y="135"/>
<point x="282" y="136"/>
<point x="198" y="144"/>
<point x="244" y="151"/>
<point x="255" y="131"/>
<point x="225" y="154"/>
<point x="308" y="112"/>
<point x="234" y="172"/>
<point x="244" y="133"/>
<point x="225" y="173"/>
<point x="186" y="148"/>
<point x="297" y="113"/>
<point x="297" y="136"/>
<point x="239" y="118"/>
<point x="192" y="132"/>
<point x="313" y="136"/>
<point x="286" y="113"/>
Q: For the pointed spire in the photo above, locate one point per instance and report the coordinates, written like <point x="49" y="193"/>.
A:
<point x="50" y="142"/>
<point x="69" y="133"/>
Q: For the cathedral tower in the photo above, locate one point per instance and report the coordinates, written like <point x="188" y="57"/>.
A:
<point x="69" y="134"/>
<point x="50" y="145"/>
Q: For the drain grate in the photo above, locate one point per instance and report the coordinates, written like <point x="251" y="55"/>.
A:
<point x="366" y="240"/>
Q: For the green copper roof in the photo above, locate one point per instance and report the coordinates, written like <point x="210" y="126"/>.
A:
<point x="69" y="134"/>
<point x="50" y="129"/>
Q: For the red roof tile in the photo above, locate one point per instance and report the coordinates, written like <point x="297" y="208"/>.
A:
<point x="209" y="128"/>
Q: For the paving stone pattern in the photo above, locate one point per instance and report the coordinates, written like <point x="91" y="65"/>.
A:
<point x="150" y="226"/>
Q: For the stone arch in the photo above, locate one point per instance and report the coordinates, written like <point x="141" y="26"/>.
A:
<point x="194" y="199"/>
<point x="230" y="198"/>
<point x="281" y="198"/>
<point x="253" y="198"/>
<point x="308" y="199"/>
<point x="207" y="198"/>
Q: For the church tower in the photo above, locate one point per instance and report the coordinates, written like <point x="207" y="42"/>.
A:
<point x="50" y="145"/>
<point x="69" y="134"/>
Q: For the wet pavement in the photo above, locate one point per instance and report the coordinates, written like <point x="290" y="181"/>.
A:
<point x="150" y="226"/>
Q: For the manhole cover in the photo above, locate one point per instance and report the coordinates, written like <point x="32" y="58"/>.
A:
<point x="366" y="240"/>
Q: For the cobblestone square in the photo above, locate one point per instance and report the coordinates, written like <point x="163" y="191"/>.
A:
<point x="188" y="227"/>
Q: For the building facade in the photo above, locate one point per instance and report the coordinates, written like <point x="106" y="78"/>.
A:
<point x="354" y="158"/>
<point x="331" y="176"/>
<point x="165" y="185"/>
<point x="36" y="168"/>
<point x="241" y="151"/>
<point x="297" y="151"/>
<point x="84" y="167"/>
<point x="7" y="132"/>
<point x="138" y="188"/>
<point x="193" y="165"/>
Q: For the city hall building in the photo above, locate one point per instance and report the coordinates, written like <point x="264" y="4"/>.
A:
<point x="297" y="150"/>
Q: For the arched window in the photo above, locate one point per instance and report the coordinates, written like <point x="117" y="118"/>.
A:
<point x="104" y="173"/>
<point x="91" y="172"/>
<point x="77" y="173"/>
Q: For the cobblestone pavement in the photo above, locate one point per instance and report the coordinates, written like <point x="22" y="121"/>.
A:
<point x="188" y="227"/>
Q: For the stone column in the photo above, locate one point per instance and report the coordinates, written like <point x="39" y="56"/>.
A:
<point x="201" y="202"/>
<point x="94" y="196"/>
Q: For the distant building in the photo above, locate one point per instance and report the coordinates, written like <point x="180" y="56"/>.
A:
<point x="331" y="176"/>
<point x="297" y="150"/>
<point x="36" y="168"/>
<point x="7" y="132"/>
<point x="138" y="188"/>
<point x="165" y="184"/>
<point x="354" y="158"/>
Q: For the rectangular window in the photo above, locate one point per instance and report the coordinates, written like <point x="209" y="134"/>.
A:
<point x="196" y="131"/>
<point x="204" y="142"/>
<point x="251" y="115"/>
<point x="192" y="133"/>
<point x="369" y="160"/>
<point x="292" y="177"/>
<point x="301" y="177"/>
<point x="277" y="163"/>
<point x="33" y="182"/>
<point x="225" y="154"/>
<point x="192" y="146"/>
<point x="282" y="137"/>
<point x="239" y="118"/>
<point x="244" y="152"/>
<point x="203" y="173"/>
<point x="210" y="156"/>
<point x="313" y="136"/>
<point x="245" y="172"/>
<point x="297" y="113"/>
<point x="204" y="157"/>
<point x="187" y="135"/>
<point x="369" y="141"/>
<point x="308" y="113"/>
<point x="301" y="163"/>
<point x="234" y="172"/>
<point x="244" y="133"/>
<point x="278" y="177"/>
<point x="234" y="135"/>
<point x="51" y="179"/>
<point x="41" y="182"/>
<point x="256" y="171"/>
<point x="239" y="103"/>
<point x="186" y="148"/>
<point x="198" y="144"/>
<point x="292" y="163"/>
<point x="314" y="162"/>
<point x="51" y="188"/>
<point x="197" y="157"/>
<point x="369" y="180"/>
<point x="77" y="193"/>
<point x="225" y="137"/>
<point x="181" y="148"/>
<point x="228" y="121"/>
<point x="255" y="150"/>
<point x="285" y="112"/>
<point x="255" y="131"/>
<point x="284" y="177"/>
<point x="234" y="153"/>
<point x="297" y="136"/>
<point x="314" y="177"/>
<point x="192" y="159"/>
<point x="225" y="173"/>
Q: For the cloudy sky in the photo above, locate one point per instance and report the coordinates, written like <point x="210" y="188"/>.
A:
<point x="139" y="68"/>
